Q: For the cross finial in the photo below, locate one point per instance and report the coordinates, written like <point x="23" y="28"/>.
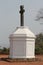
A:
<point x="21" y="14"/>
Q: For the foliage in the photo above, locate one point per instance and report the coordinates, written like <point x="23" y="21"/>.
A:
<point x="39" y="44"/>
<point x="4" y="50"/>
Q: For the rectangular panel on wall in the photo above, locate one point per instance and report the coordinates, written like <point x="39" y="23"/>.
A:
<point x="30" y="49"/>
<point x="19" y="48"/>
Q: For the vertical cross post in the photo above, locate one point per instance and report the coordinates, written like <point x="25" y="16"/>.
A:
<point x="22" y="15"/>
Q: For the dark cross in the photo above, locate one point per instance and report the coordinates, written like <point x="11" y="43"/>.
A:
<point x="22" y="15"/>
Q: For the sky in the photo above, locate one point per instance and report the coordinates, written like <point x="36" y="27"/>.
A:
<point x="10" y="17"/>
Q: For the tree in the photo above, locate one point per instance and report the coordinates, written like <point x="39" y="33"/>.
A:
<point x="39" y="44"/>
<point x="39" y="15"/>
<point x="4" y="50"/>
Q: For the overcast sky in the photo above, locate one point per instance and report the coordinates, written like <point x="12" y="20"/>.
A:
<point x="10" y="17"/>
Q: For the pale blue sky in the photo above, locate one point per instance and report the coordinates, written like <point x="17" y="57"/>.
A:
<point x="10" y="18"/>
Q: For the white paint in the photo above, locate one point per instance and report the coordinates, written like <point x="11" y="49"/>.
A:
<point x="22" y="43"/>
<point x="30" y="49"/>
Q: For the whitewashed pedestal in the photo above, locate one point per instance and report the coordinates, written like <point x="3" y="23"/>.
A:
<point x="22" y="43"/>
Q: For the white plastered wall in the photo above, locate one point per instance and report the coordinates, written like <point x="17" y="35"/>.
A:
<point x="18" y="48"/>
<point x="30" y="48"/>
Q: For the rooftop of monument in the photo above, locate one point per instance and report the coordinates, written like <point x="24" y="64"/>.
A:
<point x="22" y="32"/>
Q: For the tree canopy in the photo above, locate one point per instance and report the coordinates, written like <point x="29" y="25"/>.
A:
<point x="39" y="44"/>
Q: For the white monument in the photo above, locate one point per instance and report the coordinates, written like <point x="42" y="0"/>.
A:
<point x="22" y="41"/>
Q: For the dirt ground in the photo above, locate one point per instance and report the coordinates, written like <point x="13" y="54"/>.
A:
<point x="38" y="62"/>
